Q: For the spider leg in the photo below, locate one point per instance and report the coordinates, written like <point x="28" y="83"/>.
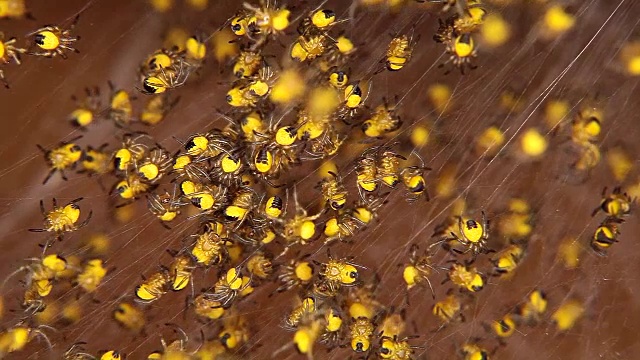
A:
<point x="76" y="200"/>
<point x="42" y="335"/>
<point x="16" y="58"/>
<point x="467" y="263"/>
<point x="4" y="81"/>
<point x="42" y="210"/>
<point x="164" y="224"/>
<point x="44" y="248"/>
<point x="433" y="293"/>
<point x="49" y="175"/>
<point x="22" y="268"/>
<point x="489" y="251"/>
<point x="436" y="243"/>
<point x="86" y="221"/>
<point x="473" y="259"/>
<point x="65" y="46"/>
<point x="445" y="279"/>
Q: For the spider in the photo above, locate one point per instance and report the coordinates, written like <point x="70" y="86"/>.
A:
<point x="473" y="235"/>
<point x="300" y="229"/>
<point x="295" y="273"/>
<point x="162" y="58"/>
<point x="343" y="226"/>
<point x="54" y="40"/>
<point x="8" y="52"/>
<point x="62" y="219"/>
<point x="229" y="286"/>
<point x="418" y="270"/>
<point x="166" y="78"/>
<point x="165" y="206"/>
<point x="462" y="50"/>
<point x="335" y="274"/>
<point x="157" y="163"/>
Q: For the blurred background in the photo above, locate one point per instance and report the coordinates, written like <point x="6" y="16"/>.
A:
<point x="511" y="88"/>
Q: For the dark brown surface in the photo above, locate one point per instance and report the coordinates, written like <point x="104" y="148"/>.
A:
<point x="116" y="35"/>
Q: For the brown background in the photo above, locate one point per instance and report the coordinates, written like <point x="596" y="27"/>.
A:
<point x="117" y="35"/>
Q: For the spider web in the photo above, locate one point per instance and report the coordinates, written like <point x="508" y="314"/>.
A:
<point x="578" y="66"/>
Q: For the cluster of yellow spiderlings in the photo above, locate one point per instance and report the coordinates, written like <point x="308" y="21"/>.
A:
<point x="234" y="183"/>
